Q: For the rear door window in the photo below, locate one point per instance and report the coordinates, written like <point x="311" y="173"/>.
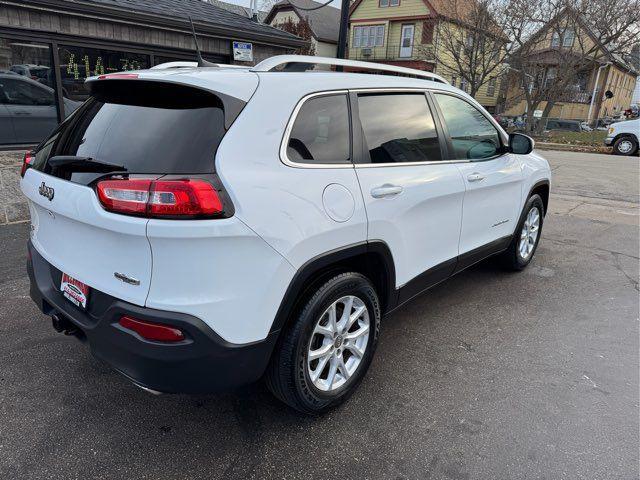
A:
<point x="398" y="128"/>
<point x="321" y="131"/>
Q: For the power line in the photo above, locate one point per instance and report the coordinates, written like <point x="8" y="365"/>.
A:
<point x="309" y="9"/>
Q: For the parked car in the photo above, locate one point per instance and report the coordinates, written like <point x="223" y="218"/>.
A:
<point x="28" y="110"/>
<point x="203" y="228"/>
<point x="567" y="125"/>
<point x="623" y="137"/>
<point x="39" y="73"/>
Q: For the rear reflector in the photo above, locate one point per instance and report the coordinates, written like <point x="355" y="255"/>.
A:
<point x="152" y="331"/>
<point x="27" y="161"/>
<point x="184" y="198"/>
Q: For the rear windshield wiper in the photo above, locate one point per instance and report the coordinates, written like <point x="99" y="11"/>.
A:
<point x="83" y="164"/>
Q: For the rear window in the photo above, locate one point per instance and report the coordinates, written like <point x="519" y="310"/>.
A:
<point x="146" y="127"/>
<point x="320" y="133"/>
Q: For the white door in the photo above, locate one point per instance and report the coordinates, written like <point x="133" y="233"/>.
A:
<point x="493" y="179"/>
<point x="406" y="41"/>
<point x="413" y="206"/>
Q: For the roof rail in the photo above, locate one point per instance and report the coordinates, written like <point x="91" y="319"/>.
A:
<point x="295" y="63"/>
<point x="168" y="65"/>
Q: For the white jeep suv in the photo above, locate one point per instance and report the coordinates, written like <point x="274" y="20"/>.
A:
<point x="202" y="228"/>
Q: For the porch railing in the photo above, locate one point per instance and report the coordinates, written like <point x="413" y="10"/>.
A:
<point x="392" y="51"/>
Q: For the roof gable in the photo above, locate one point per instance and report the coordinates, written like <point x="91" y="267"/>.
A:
<point x="584" y="29"/>
<point x="324" y="22"/>
<point x="407" y="8"/>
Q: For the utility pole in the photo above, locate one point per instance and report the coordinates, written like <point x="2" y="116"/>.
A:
<point x="344" y="30"/>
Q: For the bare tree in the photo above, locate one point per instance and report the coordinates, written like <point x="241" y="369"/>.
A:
<point x="472" y="40"/>
<point x="303" y="30"/>
<point x="571" y="39"/>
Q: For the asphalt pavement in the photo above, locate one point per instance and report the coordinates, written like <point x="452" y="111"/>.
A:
<point x="490" y="375"/>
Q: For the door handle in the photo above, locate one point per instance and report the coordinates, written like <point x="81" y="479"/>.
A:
<point x="386" y="190"/>
<point x="475" y="177"/>
<point x="22" y="112"/>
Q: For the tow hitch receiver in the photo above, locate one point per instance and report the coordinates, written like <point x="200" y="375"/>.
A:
<point x="62" y="325"/>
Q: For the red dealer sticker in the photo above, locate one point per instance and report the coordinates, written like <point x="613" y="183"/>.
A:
<point x="75" y="291"/>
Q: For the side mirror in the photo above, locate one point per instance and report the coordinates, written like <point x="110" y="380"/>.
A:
<point x="520" y="144"/>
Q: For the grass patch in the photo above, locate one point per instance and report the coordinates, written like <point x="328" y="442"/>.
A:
<point x="594" y="138"/>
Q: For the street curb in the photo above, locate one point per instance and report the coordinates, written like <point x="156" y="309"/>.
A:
<point x="13" y="205"/>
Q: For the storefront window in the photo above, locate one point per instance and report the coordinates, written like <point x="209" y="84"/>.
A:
<point x="28" y="109"/>
<point x="79" y="63"/>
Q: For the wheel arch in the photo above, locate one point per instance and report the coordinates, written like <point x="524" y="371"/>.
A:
<point x="541" y="188"/>
<point x="372" y="259"/>
<point x="624" y="134"/>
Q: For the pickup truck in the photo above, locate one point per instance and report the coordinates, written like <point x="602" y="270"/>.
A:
<point x="623" y="136"/>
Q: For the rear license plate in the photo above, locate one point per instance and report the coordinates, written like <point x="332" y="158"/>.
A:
<point x="74" y="291"/>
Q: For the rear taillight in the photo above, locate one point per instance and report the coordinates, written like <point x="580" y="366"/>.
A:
<point x="152" y="331"/>
<point x="183" y="198"/>
<point x="26" y="162"/>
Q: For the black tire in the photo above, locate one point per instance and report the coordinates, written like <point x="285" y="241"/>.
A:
<point x="511" y="258"/>
<point x="287" y="375"/>
<point x="623" y="142"/>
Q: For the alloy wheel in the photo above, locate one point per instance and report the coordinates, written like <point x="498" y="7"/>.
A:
<point x="338" y="343"/>
<point x="529" y="233"/>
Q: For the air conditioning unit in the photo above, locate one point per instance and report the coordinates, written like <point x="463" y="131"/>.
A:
<point x="367" y="52"/>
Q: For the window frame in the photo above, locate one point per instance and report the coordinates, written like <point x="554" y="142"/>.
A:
<point x="565" y="36"/>
<point x="357" y="143"/>
<point x="491" y="87"/>
<point x="502" y="136"/>
<point x="371" y="35"/>
<point x="284" y="158"/>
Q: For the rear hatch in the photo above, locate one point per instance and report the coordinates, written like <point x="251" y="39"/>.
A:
<point x="148" y="129"/>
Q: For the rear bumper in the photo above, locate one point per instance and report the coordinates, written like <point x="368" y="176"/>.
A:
<point x="202" y="363"/>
